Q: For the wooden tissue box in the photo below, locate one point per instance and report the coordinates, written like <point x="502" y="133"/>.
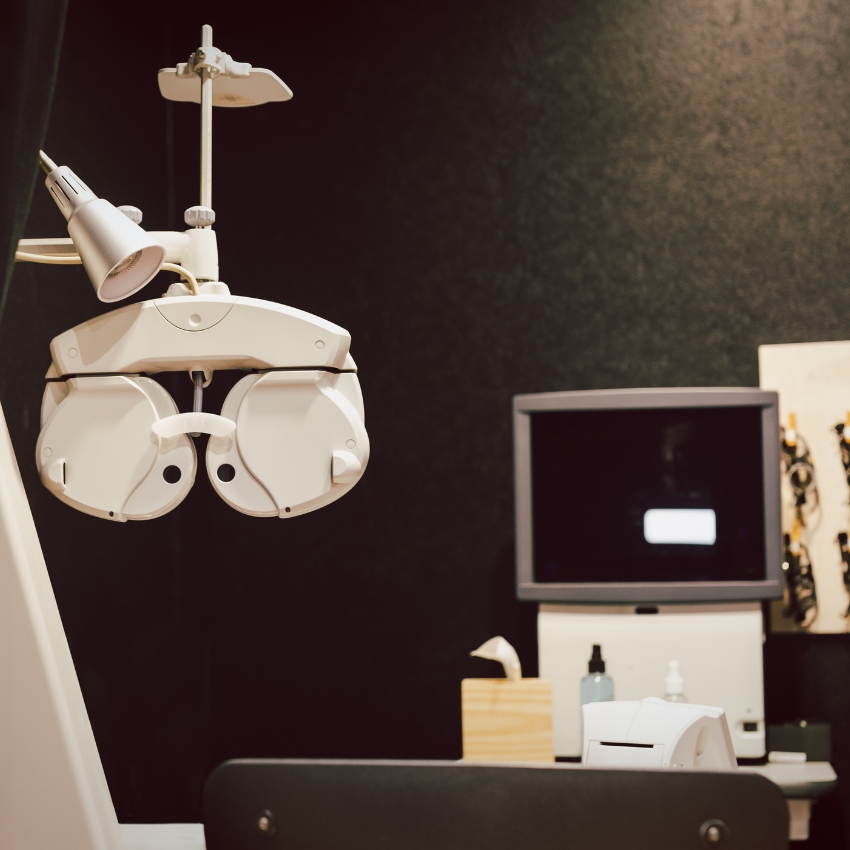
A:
<point x="507" y="721"/>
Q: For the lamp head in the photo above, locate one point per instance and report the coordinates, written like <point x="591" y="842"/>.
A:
<point x="118" y="256"/>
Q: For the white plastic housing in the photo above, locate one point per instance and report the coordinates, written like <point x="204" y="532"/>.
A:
<point x="288" y="441"/>
<point x="718" y="647"/>
<point x="224" y="332"/>
<point x="299" y="444"/>
<point x="656" y="734"/>
<point x="195" y="249"/>
<point x="97" y="451"/>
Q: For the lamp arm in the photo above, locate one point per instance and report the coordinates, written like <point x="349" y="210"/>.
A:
<point x="74" y="259"/>
<point x="49" y="259"/>
<point x="51" y="247"/>
<point x="192" y="254"/>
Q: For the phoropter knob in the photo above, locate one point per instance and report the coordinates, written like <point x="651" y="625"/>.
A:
<point x="199" y="216"/>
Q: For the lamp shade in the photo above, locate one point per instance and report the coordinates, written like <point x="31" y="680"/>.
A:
<point x="119" y="257"/>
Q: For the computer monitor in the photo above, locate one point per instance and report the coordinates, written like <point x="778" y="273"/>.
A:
<point x="648" y="495"/>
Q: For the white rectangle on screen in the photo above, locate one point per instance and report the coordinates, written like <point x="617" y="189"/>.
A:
<point x="688" y="525"/>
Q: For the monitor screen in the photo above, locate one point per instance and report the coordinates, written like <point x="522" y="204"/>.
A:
<point x="648" y="496"/>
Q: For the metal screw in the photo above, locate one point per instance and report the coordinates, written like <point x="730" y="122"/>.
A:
<point x="713" y="832"/>
<point x="265" y="824"/>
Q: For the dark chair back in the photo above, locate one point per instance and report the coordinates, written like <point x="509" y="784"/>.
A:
<point x="290" y="804"/>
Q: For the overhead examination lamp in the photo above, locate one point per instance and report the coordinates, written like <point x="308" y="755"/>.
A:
<point x="118" y="256"/>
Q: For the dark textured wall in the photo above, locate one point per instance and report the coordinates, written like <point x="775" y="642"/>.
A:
<point x="493" y="198"/>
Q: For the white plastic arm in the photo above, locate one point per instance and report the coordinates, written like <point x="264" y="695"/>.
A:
<point x="59" y="251"/>
<point x="50" y="259"/>
<point x="59" y="245"/>
<point x="193" y="423"/>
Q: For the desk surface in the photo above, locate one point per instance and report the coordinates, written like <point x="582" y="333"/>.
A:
<point x="808" y="781"/>
<point x="163" y="836"/>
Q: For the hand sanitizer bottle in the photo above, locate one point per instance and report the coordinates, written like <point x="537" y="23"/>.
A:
<point x="596" y="686"/>
<point x="674" y="684"/>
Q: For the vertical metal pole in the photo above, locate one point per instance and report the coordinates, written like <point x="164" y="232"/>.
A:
<point x="198" y="397"/>
<point x="206" y="124"/>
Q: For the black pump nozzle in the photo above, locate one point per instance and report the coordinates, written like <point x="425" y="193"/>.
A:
<point x="596" y="664"/>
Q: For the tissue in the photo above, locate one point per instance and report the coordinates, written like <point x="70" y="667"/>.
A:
<point x="498" y="649"/>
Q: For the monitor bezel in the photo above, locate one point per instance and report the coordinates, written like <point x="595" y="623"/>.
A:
<point x="648" y="592"/>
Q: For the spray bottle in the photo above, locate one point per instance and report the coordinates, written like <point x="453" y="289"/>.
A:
<point x="596" y="686"/>
<point x="674" y="684"/>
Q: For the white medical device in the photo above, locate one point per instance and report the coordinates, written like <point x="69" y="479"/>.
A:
<point x="290" y="436"/>
<point x="289" y="439"/>
<point x="719" y="647"/>
<point x="655" y="733"/>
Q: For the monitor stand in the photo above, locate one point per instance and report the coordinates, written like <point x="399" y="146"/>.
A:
<point x="719" y="647"/>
